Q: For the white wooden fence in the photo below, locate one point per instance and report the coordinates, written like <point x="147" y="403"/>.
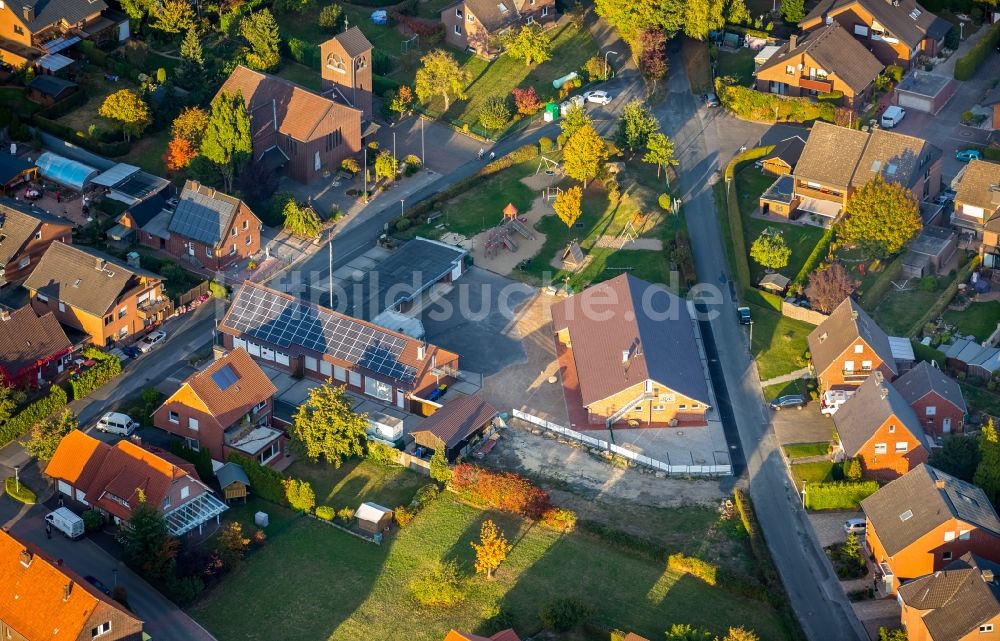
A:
<point x="679" y="470"/>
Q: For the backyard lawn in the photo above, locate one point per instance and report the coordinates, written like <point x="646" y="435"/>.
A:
<point x="97" y="88"/>
<point x="806" y="450"/>
<point x="315" y="582"/>
<point x="305" y="26"/>
<point x="300" y="74"/>
<point x="899" y="310"/>
<point x="820" y="472"/>
<point x="979" y="319"/>
<point x="147" y="152"/>
<point x="357" y="481"/>
<point x="778" y="342"/>
<point x="738" y="64"/>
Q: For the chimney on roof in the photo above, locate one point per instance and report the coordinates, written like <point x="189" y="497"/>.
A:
<point x="854" y="313"/>
<point x="29" y="13"/>
<point x="879" y="378"/>
<point x="26" y="558"/>
<point x="793" y="41"/>
<point x="624" y="356"/>
<point x="939" y="484"/>
<point x="4" y="315"/>
<point x="987" y="576"/>
<point x="67" y="589"/>
<point x="421" y="351"/>
<point x="823" y="337"/>
<point x="883" y="392"/>
<point x="100" y="264"/>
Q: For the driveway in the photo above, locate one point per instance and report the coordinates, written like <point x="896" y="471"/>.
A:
<point x="475" y="320"/>
<point x="805" y="426"/>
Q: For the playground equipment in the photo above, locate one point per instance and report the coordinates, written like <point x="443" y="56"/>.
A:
<point x="559" y="82"/>
<point x="572" y="257"/>
<point x="510" y="220"/>
<point x="550" y="166"/>
<point x="550" y="193"/>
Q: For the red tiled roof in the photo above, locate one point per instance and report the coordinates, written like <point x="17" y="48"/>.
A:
<point x="26" y="339"/>
<point x="229" y="404"/>
<point x="503" y="635"/>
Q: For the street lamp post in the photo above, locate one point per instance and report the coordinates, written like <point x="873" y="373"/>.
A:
<point x="606" y="54"/>
<point x="751" y="334"/>
<point x="365" y="170"/>
<point x="17" y="478"/>
<point x="803" y="494"/>
<point x="402" y="212"/>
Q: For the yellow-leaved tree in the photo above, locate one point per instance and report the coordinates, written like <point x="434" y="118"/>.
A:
<point x="567" y="205"/>
<point x="491" y="550"/>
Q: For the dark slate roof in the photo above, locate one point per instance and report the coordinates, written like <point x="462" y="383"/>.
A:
<point x="897" y="17"/>
<point x="18" y="223"/>
<point x="924" y="379"/>
<point x="12" y="166"/>
<point x="925" y="506"/>
<point x="70" y="274"/>
<point x="830" y="154"/>
<point x="875" y="402"/>
<point x="143" y="211"/>
<point x="489" y="13"/>
<point x="51" y="85"/>
<point x="782" y="190"/>
<point x="49" y="12"/>
<point x="231" y="473"/>
<point x="354" y="42"/>
<point x="961" y="597"/>
<point x="26" y="338"/>
<point x="788" y="150"/>
<point x="458" y="419"/>
<point x="837" y="51"/>
<point x="841" y="329"/>
<point x="627" y="314"/>
<point x="203" y="214"/>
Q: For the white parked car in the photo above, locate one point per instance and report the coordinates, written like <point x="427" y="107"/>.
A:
<point x="855" y="526"/>
<point x="599" y="97"/>
<point x="116" y="423"/>
<point x="833" y="399"/>
<point x="151" y="341"/>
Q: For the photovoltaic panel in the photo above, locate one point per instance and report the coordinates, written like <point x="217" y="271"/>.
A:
<point x="275" y="319"/>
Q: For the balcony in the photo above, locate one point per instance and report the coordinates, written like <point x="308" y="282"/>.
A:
<point x="250" y="439"/>
<point x="855" y="375"/>
<point x="804" y="191"/>
<point x="151" y="309"/>
<point x="815" y="84"/>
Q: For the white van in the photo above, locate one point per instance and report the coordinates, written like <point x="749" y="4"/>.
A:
<point x="833" y="399"/>
<point x="115" y="423"/>
<point x="66" y="522"/>
<point x="892" y="117"/>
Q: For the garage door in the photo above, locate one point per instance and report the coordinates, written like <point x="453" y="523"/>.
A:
<point x="917" y="103"/>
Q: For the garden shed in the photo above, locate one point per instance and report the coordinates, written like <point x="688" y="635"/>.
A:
<point x="15" y="171"/>
<point x="453" y="428"/>
<point x="775" y="283"/>
<point x="233" y="482"/>
<point x="373" y="518"/>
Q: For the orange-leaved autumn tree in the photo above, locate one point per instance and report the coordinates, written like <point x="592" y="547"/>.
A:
<point x="179" y="154"/>
<point x="491" y="550"/>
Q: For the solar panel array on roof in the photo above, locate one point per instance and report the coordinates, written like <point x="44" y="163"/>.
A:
<point x="283" y="322"/>
<point x="225" y="377"/>
<point x="202" y="217"/>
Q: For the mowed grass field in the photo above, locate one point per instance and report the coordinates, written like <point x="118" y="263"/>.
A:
<point x="312" y="582"/>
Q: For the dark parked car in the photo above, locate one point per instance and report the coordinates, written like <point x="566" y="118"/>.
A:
<point x="744" y="315"/>
<point x="711" y="100"/>
<point x="94" y="581"/>
<point x="791" y="400"/>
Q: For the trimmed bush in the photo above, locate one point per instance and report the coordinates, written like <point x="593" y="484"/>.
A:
<point x="103" y="371"/>
<point x="202" y="459"/>
<point x="755" y="105"/>
<point x="93" y="520"/>
<point x="839" y="495"/>
<point x="325" y="512"/>
<point x="564" y="614"/>
<point x="545" y="144"/>
<point x="344" y="514"/>
<point x="381" y="453"/>
<point x="305" y="53"/>
<point x="733" y="214"/>
<point x="441" y="587"/>
<point x="425" y="495"/>
<point x="692" y="565"/>
<point x="504" y="491"/>
<point x="403" y="515"/>
<point x="267" y="483"/>
<point x="19" y="424"/>
<point x="19" y="491"/>
<point x="966" y="66"/>
<point x="557" y="518"/>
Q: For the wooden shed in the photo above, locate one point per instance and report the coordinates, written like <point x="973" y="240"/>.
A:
<point x="373" y="518"/>
<point x="233" y="482"/>
<point x="453" y="428"/>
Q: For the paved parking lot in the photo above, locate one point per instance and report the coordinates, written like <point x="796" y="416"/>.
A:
<point x="829" y="526"/>
<point x="802" y="426"/>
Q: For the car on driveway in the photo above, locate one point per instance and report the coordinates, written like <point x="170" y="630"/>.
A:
<point x="710" y="100"/>
<point x="855" y="526"/>
<point x="968" y="155"/>
<point x="789" y="400"/>
<point x="151" y="341"/>
<point x="94" y="581"/>
<point x="599" y="97"/>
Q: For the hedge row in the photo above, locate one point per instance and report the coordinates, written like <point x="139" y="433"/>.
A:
<point x="19" y="424"/>
<point x="267" y="483"/>
<point x="839" y="495"/>
<point x="966" y="66"/>
<point x="64" y="106"/>
<point x="819" y="252"/>
<point x="768" y="107"/>
<point x="734" y="215"/>
<point x="69" y="134"/>
<point x="104" y="370"/>
<point x="942" y="302"/>
<point x="504" y="491"/>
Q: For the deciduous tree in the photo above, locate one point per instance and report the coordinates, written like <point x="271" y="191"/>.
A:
<point x="636" y="124"/>
<point x="191" y="124"/>
<point x="567" y="205"/>
<point x="793" y="11"/>
<point x="703" y="16"/>
<point x="330" y="16"/>
<point x="492" y="549"/>
<point x="526" y="101"/>
<point x="301" y="220"/>
<point x="179" y="154"/>
<point x="7" y="403"/>
<point x="530" y="43"/>
<point x="440" y="471"/>
<point x="687" y="632"/>
<point x="988" y="471"/>
<point x="233" y="544"/>
<point x="770" y="251"/>
<point x="136" y="9"/>
<point x="660" y="152"/>
<point x="300" y="495"/>
<point x="260" y="30"/>
<point x="441" y="75"/>
<point x="48" y="433"/>
<point x="293" y="6"/>
<point x="632" y="17"/>
<point x="386" y="165"/>
<point x="494" y="115"/>
<point x="401" y="100"/>
<point x="326" y="427"/>
<point x="740" y="634"/>
<point x="574" y="120"/>
<point x="653" y="54"/>
<point x="737" y="12"/>
<point x="173" y="16"/>
<point x="227" y="141"/>
<point x="126" y="108"/>
<point x="829" y="287"/>
<point x="881" y="217"/>
<point x="958" y="456"/>
<point x="584" y="155"/>
<point x="146" y="542"/>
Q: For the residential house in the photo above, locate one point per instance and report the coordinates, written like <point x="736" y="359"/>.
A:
<point x="306" y="133"/>
<point x="848" y="346"/>
<point x="304" y="339"/>
<point x="35" y="31"/>
<point x="457" y="426"/>
<point x="977" y="209"/>
<point x="823" y="61"/>
<point x="935" y="397"/>
<point x="992" y="100"/>
<point x="897" y="32"/>
<point x="959" y="603"/>
<point x="879" y="427"/>
<point x="25" y="233"/>
<point x="477" y="25"/>
<point x="225" y="408"/>
<point x="96" y="294"/>
<point x="113" y="479"/>
<point x="781" y="161"/>
<point x="503" y="635"/>
<point x="924" y="520"/>
<point x="347" y="69"/>
<point x="836" y="161"/>
<point x="130" y="223"/>
<point x="33" y="349"/>
<point x="41" y="599"/>
<point x="630" y="356"/>
<point x="15" y="171"/>
<point x="205" y="227"/>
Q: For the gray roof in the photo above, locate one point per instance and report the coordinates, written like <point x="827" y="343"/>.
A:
<point x="775" y="280"/>
<point x="203" y="213"/>
<point x="18" y="223"/>
<point x="781" y="190"/>
<point x="837" y="51"/>
<point x="904" y="19"/>
<point x="924" y="379"/>
<point x="51" y="85"/>
<point x="231" y="473"/>
<point x="788" y="150"/>
<point x="875" y="403"/>
<point x="925" y="506"/>
<point x="354" y="42"/>
<point x="83" y="278"/>
<point x="843" y="328"/>
<point x="49" y="12"/>
<point x="896" y="157"/>
<point x="629" y="315"/>
<point x="830" y="155"/>
<point x="961" y="597"/>
<point x="489" y="13"/>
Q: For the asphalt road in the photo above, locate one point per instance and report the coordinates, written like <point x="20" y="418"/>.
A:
<point x="706" y="139"/>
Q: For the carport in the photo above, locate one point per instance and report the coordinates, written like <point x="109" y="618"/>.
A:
<point x="456" y="426"/>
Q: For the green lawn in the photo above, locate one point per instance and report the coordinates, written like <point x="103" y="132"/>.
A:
<point x="357" y="481"/>
<point x="315" y="582"/>
<point x="147" y="152"/>
<point x="806" y="450"/>
<point x="899" y="310"/>
<point x="981" y="399"/>
<point x="305" y="26"/>
<point x="821" y="472"/>
<point x="778" y="342"/>
<point x="97" y="88"/>
<point x="737" y="63"/>
<point x="772" y="392"/>
<point x="979" y="319"/>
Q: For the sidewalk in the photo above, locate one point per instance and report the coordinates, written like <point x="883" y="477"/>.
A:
<point x="786" y="378"/>
<point x="947" y="68"/>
